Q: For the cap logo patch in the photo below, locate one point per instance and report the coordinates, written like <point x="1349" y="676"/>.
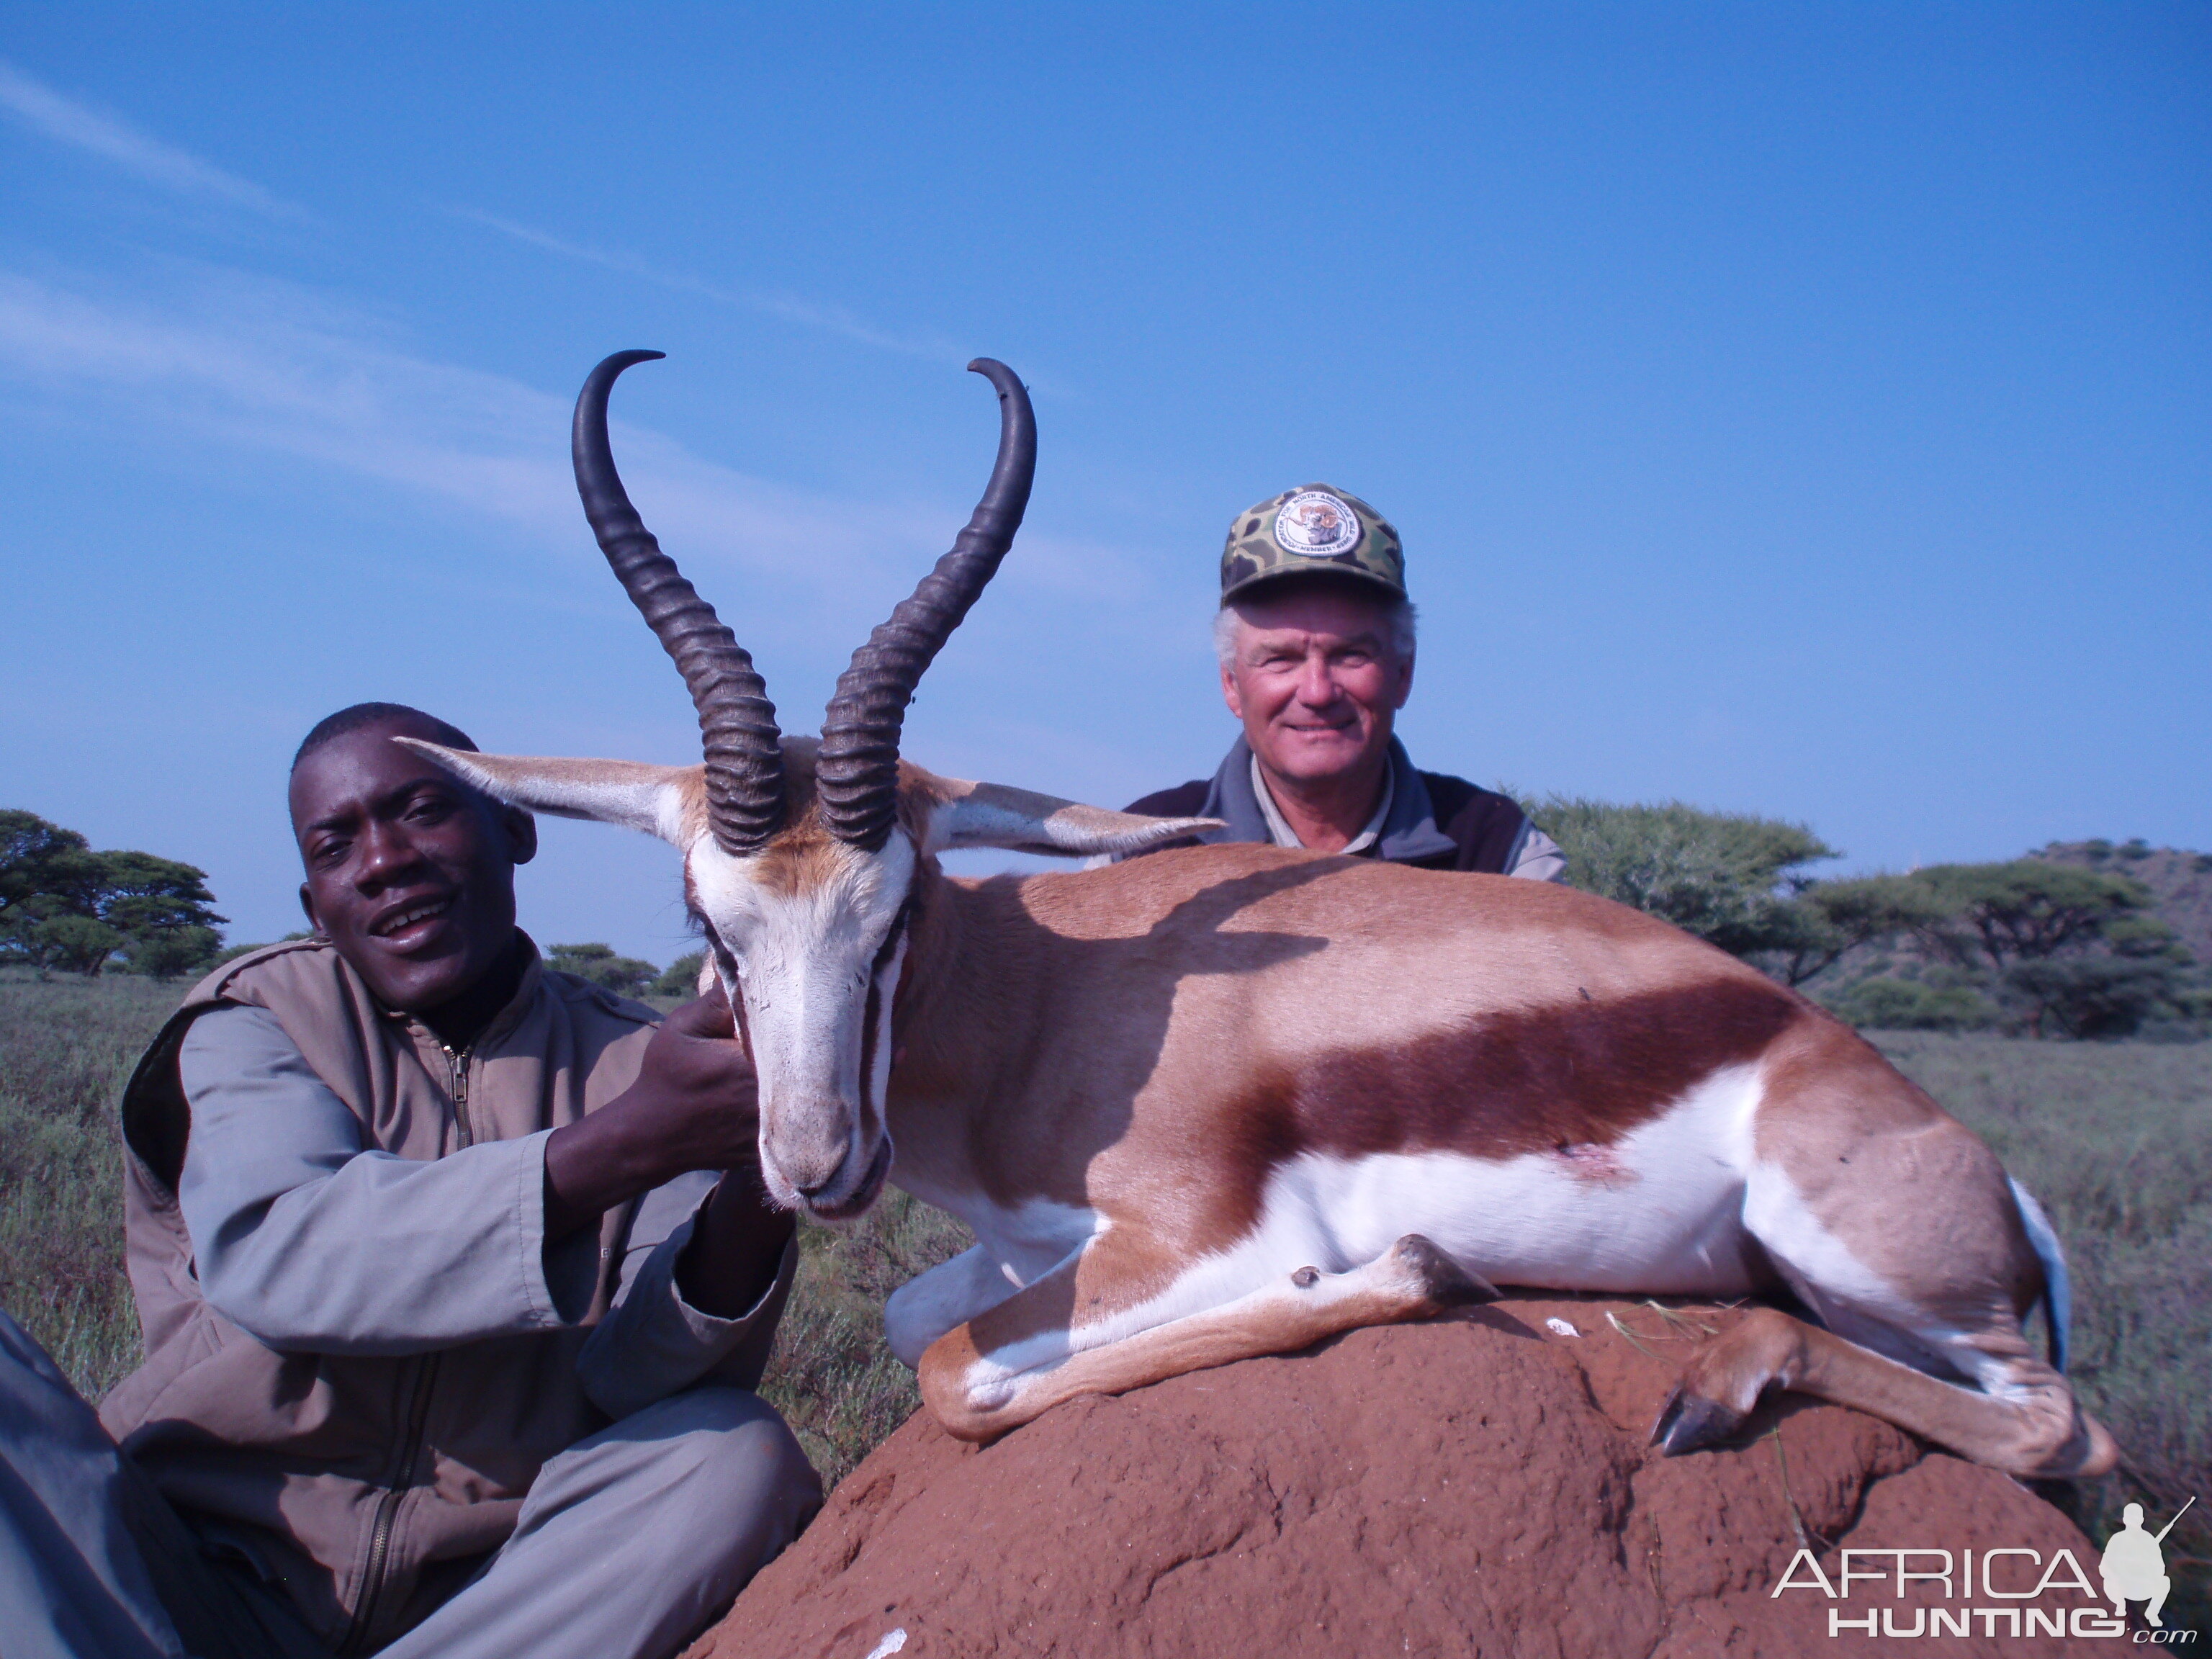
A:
<point x="1316" y="525"/>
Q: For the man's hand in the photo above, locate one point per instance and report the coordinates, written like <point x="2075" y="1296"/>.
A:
<point x="694" y="1106"/>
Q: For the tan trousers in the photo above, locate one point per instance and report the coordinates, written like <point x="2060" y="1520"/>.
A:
<point x="627" y="1543"/>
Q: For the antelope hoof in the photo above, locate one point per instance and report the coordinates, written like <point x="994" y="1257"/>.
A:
<point x="1688" y="1423"/>
<point x="1444" y="1283"/>
<point x="2089" y="1452"/>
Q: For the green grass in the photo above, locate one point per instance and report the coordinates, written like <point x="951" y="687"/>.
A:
<point x="831" y="1377"/>
<point x="2115" y="1138"/>
<point x="66" y="1050"/>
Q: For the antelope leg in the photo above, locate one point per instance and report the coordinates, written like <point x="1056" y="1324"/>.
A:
<point x="1026" y="1355"/>
<point x="2028" y="1424"/>
<point x="950" y="1294"/>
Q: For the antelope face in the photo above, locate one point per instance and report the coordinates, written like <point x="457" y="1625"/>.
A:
<point x="808" y="938"/>
<point x="807" y="934"/>
<point x="801" y="859"/>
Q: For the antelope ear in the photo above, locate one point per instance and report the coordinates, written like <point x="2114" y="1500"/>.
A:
<point x="992" y="815"/>
<point x="668" y="801"/>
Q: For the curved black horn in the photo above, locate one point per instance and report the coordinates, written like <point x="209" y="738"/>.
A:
<point x="737" y="722"/>
<point x="858" y="769"/>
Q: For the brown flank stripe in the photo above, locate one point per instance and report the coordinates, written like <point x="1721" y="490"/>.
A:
<point x="1572" y="1075"/>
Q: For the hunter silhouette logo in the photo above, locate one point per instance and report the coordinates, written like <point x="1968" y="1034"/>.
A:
<point x="2134" y="1565"/>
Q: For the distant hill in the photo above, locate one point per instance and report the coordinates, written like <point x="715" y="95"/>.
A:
<point x="2180" y="881"/>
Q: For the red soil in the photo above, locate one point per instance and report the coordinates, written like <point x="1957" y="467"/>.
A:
<point x="1476" y="1486"/>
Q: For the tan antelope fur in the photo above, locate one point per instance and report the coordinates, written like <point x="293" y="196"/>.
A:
<point x="1228" y="1101"/>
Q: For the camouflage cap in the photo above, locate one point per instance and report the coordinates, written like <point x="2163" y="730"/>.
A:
<point x="1314" y="529"/>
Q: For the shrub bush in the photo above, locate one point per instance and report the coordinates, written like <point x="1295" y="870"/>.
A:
<point x="598" y="964"/>
<point x="679" y="981"/>
<point x="1728" y="878"/>
<point x="1890" y="1004"/>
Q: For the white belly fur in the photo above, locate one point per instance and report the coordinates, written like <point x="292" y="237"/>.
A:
<point x="1663" y="1214"/>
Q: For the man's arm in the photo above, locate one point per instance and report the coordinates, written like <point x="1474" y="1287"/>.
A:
<point x="703" y="1283"/>
<point x="657" y="1340"/>
<point x="312" y="1242"/>
<point x="656" y="1131"/>
<point x="1537" y="856"/>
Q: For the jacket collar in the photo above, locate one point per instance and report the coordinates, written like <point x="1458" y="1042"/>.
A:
<point x="526" y="990"/>
<point x="1410" y="830"/>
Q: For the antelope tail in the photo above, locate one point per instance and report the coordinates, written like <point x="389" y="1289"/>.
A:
<point x="2057" y="1287"/>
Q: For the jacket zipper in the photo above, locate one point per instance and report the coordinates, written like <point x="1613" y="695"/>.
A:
<point x="387" y="1507"/>
<point x="387" y="1511"/>
<point x="457" y="1084"/>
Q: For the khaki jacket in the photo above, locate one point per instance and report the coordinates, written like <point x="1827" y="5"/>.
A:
<point x="371" y="1485"/>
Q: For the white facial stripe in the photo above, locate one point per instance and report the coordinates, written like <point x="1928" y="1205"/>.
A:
<point x="887" y="983"/>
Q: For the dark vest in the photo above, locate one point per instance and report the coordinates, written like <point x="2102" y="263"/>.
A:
<point x="1437" y="822"/>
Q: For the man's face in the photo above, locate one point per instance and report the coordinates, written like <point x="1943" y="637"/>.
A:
<point x="410" y="873"/>
<point x="1315" y="680"/>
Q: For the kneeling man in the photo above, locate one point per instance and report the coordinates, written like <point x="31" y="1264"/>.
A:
<point x="1316" y="641"/>
<point x="456" y="1276"/>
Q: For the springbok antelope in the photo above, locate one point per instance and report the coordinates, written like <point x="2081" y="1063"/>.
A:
<point x="1228" y="1101"/>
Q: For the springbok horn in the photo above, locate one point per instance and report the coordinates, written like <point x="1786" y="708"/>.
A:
<point x="737" y="722"/>
<point x="857" y="767"/>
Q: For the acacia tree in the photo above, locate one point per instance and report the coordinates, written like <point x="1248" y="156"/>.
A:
<point x="1836" y="917"/>
<point x="2074" y="949"/>
<point x="62" y="905"/>
<point x="1729" y="878"/>
<point x="1736" y="880"/>
<point x="2026" y="910"/>
<point x="2064" y="951"/>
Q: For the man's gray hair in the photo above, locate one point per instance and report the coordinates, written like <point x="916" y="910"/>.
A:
<point x="1400" y="614"/>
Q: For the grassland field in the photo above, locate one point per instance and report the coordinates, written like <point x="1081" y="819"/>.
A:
<point x="2115" y="1138"/>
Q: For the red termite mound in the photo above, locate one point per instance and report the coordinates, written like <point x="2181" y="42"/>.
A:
<point x="1476" y="1486"/>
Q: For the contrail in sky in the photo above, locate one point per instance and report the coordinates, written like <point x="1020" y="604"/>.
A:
<point x="44" y="111"/>
<point x="831" y="319"/>
<point x="49" y="114"/>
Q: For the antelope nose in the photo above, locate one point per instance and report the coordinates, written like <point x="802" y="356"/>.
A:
<point x="819" y="1172"/>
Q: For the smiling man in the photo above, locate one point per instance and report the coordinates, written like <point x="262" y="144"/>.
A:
<point x="1315" y="641"/>
<point x="456" y="1276"/>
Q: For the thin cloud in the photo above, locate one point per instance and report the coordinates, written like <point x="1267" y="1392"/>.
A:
<point x="933" y="348"/>
<point x="212" y="354"/>
<point x="266" y="365"/>
<point x="40" y="107"/>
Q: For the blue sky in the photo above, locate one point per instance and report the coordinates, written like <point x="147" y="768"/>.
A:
<point x="1791" y="409"/>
